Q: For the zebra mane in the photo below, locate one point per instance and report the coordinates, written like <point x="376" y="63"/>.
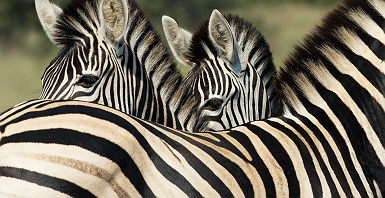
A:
<point x="146" y="43"/>
<point x="251" y="42"/>
<point x="308" y="58"/>
<point x="79" y="18"/>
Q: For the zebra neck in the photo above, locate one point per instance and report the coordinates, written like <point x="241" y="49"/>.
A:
<point x="152" y="65"/>
<point x="337" y="77"/>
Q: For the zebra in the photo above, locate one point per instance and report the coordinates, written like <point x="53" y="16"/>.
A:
<point x="128" y="68"/>
<point x="226" y="52"/>
<point x="328" y="140"/>
<point x="90" y="150"/>
<point x="115" y="61"/>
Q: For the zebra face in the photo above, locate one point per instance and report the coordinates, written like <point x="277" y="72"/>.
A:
<point x="85" y="72"/>
<point x="226" y="99"/>
<point x="229" y="88"/>
<point x="221" y="99"/>
<point x="87" y="68"/>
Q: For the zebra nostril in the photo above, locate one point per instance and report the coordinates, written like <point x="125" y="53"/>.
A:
<point x="87" y="81"/>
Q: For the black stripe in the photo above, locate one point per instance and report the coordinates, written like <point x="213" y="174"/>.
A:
<point x="354" y="132"/>
<point x="94" y="57"/>
<point x="54" y="183"/>
<point x="121" y="157"/>
<point x="371" y="73"/>
<point x="281" y="156"/>
<point x="256" y="162"/>
<point x="325" y="145"/>
<point x="305" y="153"/>
<point x="23" y="107"/>
<point x="230" y="102"/>
<point x="253" y="84"/>
<point x="260" y="100"/>
<point x="137" y="82"/>
<point x="89" y="142"/>
<point x="111" y="93"/>
<point x="200" y="167"/>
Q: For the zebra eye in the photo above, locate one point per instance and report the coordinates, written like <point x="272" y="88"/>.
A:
<point x="213" y="104"/>
<point x="87" y="81"/>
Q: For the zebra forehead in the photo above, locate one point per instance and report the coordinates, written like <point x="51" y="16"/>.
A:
<point x="245" y="34"/>
<point x="79" y="19"/>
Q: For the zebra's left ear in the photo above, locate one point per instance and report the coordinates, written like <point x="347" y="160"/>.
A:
<point x="48" y="14"/>
<point x="178" y="39"/>
<point x="221" y="35"/>
<point x="114" y="15"/>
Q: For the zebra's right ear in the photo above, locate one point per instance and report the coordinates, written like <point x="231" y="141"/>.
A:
<point x="178" y="39"/>
<point x="114" y="15"/>
<point x="221" y="35"/>
<point x="48" y="14"/>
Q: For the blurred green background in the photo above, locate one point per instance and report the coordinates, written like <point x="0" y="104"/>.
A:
<point x="25" y="51"/>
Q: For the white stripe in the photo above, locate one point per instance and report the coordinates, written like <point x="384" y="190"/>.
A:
<point x="344" y="65"/>
<point x="367" y="24"/>
<point x="295" y="157"/>
<point x="295" y="102"/>
<point x="184" y="168"/>
<point x="378" y="5"/>
<point x="11" y="187"/>
<point x="75" y="158"/>
<point x="378" y="191"/>
<point x="327" y="79"/>
<point x="91" y="183"/>
<point x="325" y="187"/>
<point x="275" y="170"/>
<point x="354" y="43"/>
<point x="113" y="133"/>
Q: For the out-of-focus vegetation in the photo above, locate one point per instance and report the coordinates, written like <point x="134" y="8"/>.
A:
<point x="25" y="51"/>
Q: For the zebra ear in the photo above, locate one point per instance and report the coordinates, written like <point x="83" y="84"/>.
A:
<point x="221" y="35"/>
<point x="114" y="15"/>
<point x="48" y="14"/>
<point x="178" y="39"/>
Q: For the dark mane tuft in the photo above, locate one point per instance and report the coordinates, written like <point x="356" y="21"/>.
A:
<point x="309" y="50"/>
<point x="199" y="40"/>
<point x="66" y="31"/>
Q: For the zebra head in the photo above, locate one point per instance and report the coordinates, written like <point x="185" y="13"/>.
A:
<point x="232" y="69"/>
<point x="89" y="33"/>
